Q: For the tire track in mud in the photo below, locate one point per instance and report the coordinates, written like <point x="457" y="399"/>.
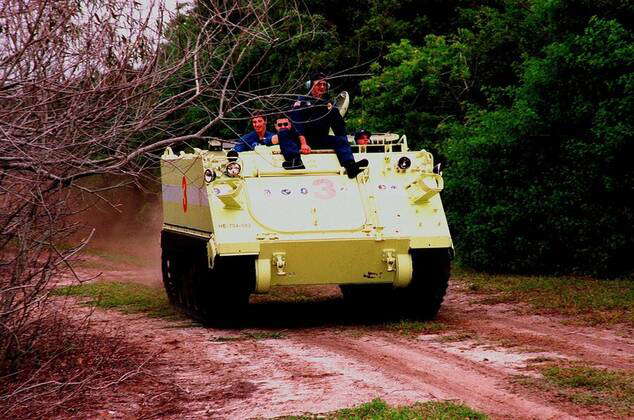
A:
<point x="609" y="351"/>
<point x="245" y="379"/>
<point x="431" y="370"/>
<point x="324" y="372"/>
<point x="293" y="380"/>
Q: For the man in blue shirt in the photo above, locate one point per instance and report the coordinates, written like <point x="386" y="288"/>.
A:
<point x="313" y="117"/>
<point x="258" y="136"/>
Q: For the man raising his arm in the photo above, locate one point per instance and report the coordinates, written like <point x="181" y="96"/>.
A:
<point x="313" y="117"/>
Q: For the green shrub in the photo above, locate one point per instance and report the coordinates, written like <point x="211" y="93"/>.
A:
<point x="546" y="184"/>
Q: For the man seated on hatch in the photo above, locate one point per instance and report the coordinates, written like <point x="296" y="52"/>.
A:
<point x="293" y="143"/>
<point x="258" y="136"/>
<point x="313" y="116"/>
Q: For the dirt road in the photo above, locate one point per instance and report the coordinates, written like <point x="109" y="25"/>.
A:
<point x="304" y="351"/>
<point x="311" y="354"/>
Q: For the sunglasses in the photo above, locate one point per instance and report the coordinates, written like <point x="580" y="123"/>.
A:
<point x="284" y="124"/>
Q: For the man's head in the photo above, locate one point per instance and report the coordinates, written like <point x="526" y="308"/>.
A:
<point x="283" y="123"/>
<point x="258" y="121"/>
<point x="362" y="136"/>
<point x="318" y="85"/>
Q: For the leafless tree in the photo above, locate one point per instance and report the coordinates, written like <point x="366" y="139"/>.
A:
<point x="86" y="88"/>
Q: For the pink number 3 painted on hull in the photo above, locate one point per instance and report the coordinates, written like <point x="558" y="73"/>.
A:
<point x="326" y="189"/>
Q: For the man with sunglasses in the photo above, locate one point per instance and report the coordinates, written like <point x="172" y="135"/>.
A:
<point x="291" y="143"/>
<point x="314" y="116"/>
<point x="258" y="136"/>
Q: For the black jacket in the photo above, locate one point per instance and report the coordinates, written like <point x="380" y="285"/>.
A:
<point x="313" y="118"/>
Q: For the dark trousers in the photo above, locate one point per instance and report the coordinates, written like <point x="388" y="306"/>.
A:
<point x="290" y="146"/>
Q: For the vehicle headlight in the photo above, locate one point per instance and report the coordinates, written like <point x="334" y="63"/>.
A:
<point x="210" y="176"/>
<point x="233" y="169"/>
<point x="404" y="163"/>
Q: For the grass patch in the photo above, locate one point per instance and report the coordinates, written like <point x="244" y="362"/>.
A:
<point x="460" y="336"/>
<point x="539" y="359"/>
<point x="590" y="300"/>
<point x="378" y="409"/>
<point x="263" y="335"/>
<point x="249" y="335"/>
<point x="111" y="256"/>
<point x="125" y="297"/>
<point x="587" y="385"/>
<point x="413" y="328"/>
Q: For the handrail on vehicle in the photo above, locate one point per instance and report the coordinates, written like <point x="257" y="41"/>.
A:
<point x="278" y="172"/>
<point x="312" y="152"/>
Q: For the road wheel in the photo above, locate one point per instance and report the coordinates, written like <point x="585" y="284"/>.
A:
<point x="430" y="278"/>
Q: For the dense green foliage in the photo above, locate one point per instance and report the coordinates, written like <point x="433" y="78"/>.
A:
<point x="546" y="183"/>
<point x="420" y="89"/>
<point x="341" y="39"/>
<point x="529" y="103"/>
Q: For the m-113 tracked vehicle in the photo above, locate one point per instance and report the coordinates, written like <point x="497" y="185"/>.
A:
<point x="236" y="225"/>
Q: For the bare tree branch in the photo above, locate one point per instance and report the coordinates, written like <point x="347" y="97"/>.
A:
<point x="95" y="87"/>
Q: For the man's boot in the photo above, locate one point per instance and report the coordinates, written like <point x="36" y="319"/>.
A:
<point x="355" y="168"/>
<point x="295" y="163"/>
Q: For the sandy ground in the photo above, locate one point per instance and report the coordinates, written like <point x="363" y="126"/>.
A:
<point x="323" y="357"/>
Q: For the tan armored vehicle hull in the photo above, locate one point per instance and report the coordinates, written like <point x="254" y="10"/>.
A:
<point x="225" y="237"/>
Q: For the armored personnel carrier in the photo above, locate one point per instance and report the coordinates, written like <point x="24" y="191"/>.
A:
<point x="236" y="225"/>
